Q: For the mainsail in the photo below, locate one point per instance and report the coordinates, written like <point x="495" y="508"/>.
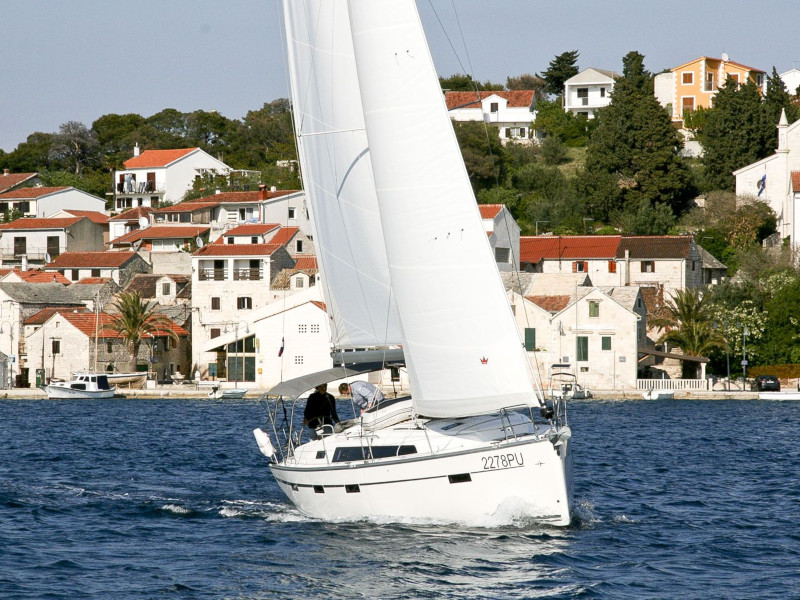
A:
<point x="461" y="345"/>
<point x="337" y="173"/>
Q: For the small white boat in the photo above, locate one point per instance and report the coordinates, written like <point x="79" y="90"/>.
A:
<point x="133" y="380"/>
<point x="564" y="384"/>
<point x="218" y="393"/>
<point x="779" y="395"/>
<point x="652" y="394"/>
<point x="82" y="386"/>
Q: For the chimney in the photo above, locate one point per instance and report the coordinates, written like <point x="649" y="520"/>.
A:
<point x="217" y="192"/>
<point x="627" y="267"/>
<point x="136" y="149"/>
<point x="24" y="266"/>
<point x="273" y="189"/>
<point x="262" y="192"/>
<point x="5" y="172"/>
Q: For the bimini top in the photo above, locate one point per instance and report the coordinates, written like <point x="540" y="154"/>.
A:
<point x="294" y="387"/>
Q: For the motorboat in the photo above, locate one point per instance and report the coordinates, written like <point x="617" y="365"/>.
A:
<point x="130" y="380"/>
<point x="658" y="394"/>
<point x="218" y="393"/>
<point x="377" y="150"/>
<point x="82" y="385"/>
<point x="564" y="384"/>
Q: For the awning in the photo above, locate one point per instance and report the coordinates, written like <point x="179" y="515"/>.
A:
<point x="686" y="357"/>
<point x="219" y="343"/>
<point x="294" y="387"/>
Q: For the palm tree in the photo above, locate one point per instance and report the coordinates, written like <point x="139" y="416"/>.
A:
<point x="133" y="321"/>
<point x="687" y="324"/>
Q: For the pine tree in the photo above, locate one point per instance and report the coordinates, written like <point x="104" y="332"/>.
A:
<point x="733" y="135"/>
<point x="633" y="154"/>
<point x="776" y="99"/>
<point x="561" y="68"/>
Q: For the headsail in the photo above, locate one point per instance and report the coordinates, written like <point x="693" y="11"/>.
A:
<point x="461" y="344"/>
<point x="336" y="168"/>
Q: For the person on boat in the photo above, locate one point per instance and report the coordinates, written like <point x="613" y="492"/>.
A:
<point x="364" y="394"/>
<point x="320" y="409"/>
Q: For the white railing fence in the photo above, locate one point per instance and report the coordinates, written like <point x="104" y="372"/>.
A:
<point x="673" y="384"/>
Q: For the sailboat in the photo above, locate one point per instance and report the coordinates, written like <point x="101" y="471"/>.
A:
<point x="407" y="271"/>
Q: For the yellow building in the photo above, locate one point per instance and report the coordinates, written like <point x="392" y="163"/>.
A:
<point x="695" y="84"/>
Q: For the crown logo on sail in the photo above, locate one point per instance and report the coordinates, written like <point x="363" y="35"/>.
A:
<point x="484" y="360"/>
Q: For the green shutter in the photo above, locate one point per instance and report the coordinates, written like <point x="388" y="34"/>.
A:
<point x="582" y="348"/>
<point x="530" y="338"/>
<point x="606" y="339"/>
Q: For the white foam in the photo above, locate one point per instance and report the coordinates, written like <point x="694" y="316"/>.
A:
<point x="175" y="509"/>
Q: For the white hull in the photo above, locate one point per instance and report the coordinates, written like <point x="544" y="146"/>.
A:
<point x="233" y="394"/>
<point x="471" y="475"/>
<point x="57" y="392"/>
<point x="779" y="395"/>
<point x="658" y="395"/>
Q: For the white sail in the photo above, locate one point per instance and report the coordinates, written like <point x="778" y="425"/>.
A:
<point x="337" y="173"/>
<point x="461" y="344"/>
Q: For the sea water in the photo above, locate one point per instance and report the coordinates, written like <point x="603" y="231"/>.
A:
<point x="170" y="498"/>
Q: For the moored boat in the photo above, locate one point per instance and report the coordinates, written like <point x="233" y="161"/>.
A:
<point x="658" y="394"/>
<point x="82" y="386"/>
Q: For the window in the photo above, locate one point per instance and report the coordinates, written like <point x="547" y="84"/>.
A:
<point x="254" y="240"/>
<point x="530" y="339"/>
<point x="212" y="369"/>
<point x="582" y="348"/>
<point x="56" y="347"/>
<point x="298" y="245"/>
<point x="580" y="266"/>
<point x="605" y="342"/>
<point x="53" y="247"/>
<point x="709" y="86"/>
<point x="166" y="289"/>
<point x="687" y="104"/>
<point x="291" y="212"/>
<point x="594" y="309"/>
<point x="109" y="346"/>
<point x="602" y="92"/>
<point x="502" y="255"/>
<point x="215" y="303"/>
<point x="95" y="272"/>
<point x="229" y="240"/>
<point x="20" y="246"/>
<point x="735" y="77"/>
<point x="75" y="274"/>
<point x="214" y="333"/>
<point x="351" y="453"/>
<point x="612" y="266"/>
<point x="687" y="78"/>
<point x="298" y="282"/>
<point x="583" y="92"/>
<point x="493" y="107"/>
<point x="648" y="266"/>
<point x="244" y="303"/>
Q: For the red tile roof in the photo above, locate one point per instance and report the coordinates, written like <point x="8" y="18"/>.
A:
<point x="188" y="206"/>
<point x="252" y="229"/>
<point x="655" y="246"/>
<point x="284" y="235"/>
<point x="10" y="180"/>
<point x="533" y="249"/>
<point x="237" y="250"/>
<point x="134" y="214"/>
<point x="89" y="260"/>
<point x="490" y="211"/>
<point x="44" y="315"/>
<point x="93" y="281"/>
<point x="92" y="215"/>
<point x="157" y="158"/>
<point x="31" y="192"/>
<point x="235" y="197"/>
<point x="41" y="223"/>
<point x="305" y="262"/>
<point x="88" y="323"/>
<point x="161" y="232"/>
<point x="551" y="304"/>
<point x="37" y="276"/>
<point x="516" y="99"/>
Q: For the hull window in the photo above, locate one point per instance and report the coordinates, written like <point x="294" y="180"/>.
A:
<point x="352" y="489"/>
<point x="351" y="453"/>
<point x="318" y="489"/>
<point x="460" y="478"/>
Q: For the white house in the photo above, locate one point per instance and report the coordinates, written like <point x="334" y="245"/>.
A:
<point x="791" y="79"/>
<point x="589" y="91"/>
<point x="45" y="201"/>
<point x="30" y="241"/>
<point x="155" y="176"/>
<point x="127" y="221"/>
<point x="512" y="112"/>
<point x="503" y="233"/>
<point x="776" y="180"/>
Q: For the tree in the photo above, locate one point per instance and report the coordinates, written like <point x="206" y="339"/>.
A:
<point x="776" y="99"/>
<point x="688" y="324"/>
<point x="483" y="154"/>
<point x="465" y="83"/>
<point x="75" y="146"/>
<point x="634" y="153"/>
<point x="733" y="134"/>
<point x="527" y="82"/>
<point x="31" y="155"/>
<point x="553" y="120"/>
<point x="561" y="68"/>
<point x="134" y="321"/>
<point x="117" y="135"/>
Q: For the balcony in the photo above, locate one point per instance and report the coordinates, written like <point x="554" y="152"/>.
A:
<point x="138" y="187"/>
<point x="247" y="274"/>
<point x="212" y="274"/>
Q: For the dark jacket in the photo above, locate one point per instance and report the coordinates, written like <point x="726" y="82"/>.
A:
<point x="320" y="410"/>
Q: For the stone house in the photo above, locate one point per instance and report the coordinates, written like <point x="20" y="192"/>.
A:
<point x="118" y="266"/>
<point x="35" y="241"/>
<point x="63" y="341"/>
